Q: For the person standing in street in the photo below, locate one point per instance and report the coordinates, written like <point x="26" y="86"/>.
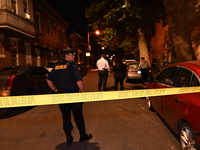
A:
<point x="119" y="74"/>
<point x="144" y="67"/>
<point x="103" y="69"/>
<point x="66" y="78"/>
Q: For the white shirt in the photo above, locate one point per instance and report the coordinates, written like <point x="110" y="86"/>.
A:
<point x="143" y="64"/>
<point x="102" y="64"/>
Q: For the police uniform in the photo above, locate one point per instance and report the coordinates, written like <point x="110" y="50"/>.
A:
<point x="65" y="75"/>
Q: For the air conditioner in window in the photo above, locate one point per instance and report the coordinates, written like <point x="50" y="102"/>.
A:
<point x="26" y="15"/>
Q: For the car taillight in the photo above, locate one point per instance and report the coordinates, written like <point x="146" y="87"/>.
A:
<point x="132" y="71"/>
<point x="9" y="82"/>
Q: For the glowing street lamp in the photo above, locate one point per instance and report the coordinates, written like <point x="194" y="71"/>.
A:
<point x="97" y="32"/>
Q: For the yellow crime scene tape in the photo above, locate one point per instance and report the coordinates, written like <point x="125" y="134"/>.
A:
<point x="34" y="100"/>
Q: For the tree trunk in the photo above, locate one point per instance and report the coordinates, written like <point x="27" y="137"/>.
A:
<point x="143" y="46"/>
<point x="177" y="14"/>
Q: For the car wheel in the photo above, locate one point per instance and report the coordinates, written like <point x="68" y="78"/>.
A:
<point x="149" y="104"/>
<point x="187" y="138"/>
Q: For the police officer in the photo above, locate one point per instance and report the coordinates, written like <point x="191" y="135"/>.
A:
<point x="65" y="78"/>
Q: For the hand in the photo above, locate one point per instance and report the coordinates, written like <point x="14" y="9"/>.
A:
<point x="56" y="90"/>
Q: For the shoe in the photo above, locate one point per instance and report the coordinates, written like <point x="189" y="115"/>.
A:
<point x="85" y="137"/>
<point x="69" y="140"/>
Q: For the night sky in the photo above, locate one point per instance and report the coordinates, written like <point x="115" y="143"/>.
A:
<point x="73" y="12"/>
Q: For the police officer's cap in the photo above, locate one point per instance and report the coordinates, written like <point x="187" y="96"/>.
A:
<point x="67" y="51"/>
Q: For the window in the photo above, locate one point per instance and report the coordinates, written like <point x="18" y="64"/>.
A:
<point x="14" y="5"/>
<point x="34" y="73"/>
<point x="183" y="77"/>
<point x="25" y="6"/>
<point x="1" y="47"/>
<point x="59" y="34"/>
<point x="37" y="23"/>
<point x="166" y="76"/>
<point x="194" y="81"/>
<point x="42" y="71"/>
<point x="54" y="32"/>
<point x="49" y="28"/>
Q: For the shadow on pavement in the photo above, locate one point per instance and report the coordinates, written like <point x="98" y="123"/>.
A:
<point x="10" y="112"/>
<point x="111" y="88"/>
<point x="78" y="146"/>
<point x="134" y="81"/>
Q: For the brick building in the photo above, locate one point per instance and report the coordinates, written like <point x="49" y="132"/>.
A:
<point x="31" y="32"/>
<point x="160" y="43"/>
<point x="16" y="32"/>
<point x="51" y="33"/>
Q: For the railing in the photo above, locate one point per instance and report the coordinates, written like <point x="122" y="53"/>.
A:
<point x="15" y="22"/>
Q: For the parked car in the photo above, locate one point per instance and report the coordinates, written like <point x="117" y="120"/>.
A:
<point x="81" y="67"/>
<point x="180" y="111"/>
<point x="23" y="80"/>
<point x="133" y="72"/>
<point x="51" y="64"/>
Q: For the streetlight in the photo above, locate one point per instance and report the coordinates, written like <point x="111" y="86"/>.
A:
<point x="97" y="32"/>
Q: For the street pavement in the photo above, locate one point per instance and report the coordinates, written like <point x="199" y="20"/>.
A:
<point x="115" y="125"/>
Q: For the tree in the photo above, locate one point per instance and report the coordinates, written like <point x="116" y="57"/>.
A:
<point x="177" y="15"/>
<point x="121" y="20"/>
<point x="114" y="21"/>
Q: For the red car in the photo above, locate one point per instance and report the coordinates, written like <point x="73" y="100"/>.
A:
<point x="182" y="111"/>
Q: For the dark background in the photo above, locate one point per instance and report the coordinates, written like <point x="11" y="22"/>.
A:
<point x="73" y="12"/>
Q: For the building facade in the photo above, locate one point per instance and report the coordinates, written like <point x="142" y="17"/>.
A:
<point x="161" y="43"/>
<point x="51" y="33"/>
<point x="31" y="32"/>
<point x="16" y="32"/>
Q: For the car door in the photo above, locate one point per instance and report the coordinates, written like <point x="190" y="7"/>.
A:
<point x="172" y="103"/>
<point x="163" y="80"/>
<point x="32" y="81"/>
<point x="42" y="86"/>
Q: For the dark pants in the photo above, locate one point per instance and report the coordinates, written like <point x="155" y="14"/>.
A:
<point x="76" y="109"/>
<point x="103" y="76"/>
<point x="144" y="73"/>
<point x="121" y="81"/>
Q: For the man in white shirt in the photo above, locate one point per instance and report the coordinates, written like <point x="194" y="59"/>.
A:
<point x="144" y="67"/>
<point x="103" y="67"/>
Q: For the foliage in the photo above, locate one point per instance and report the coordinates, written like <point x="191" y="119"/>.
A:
<point x="179" y="32"/>
<point x="120" y="20"/>
<point x="157" y="66"/>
